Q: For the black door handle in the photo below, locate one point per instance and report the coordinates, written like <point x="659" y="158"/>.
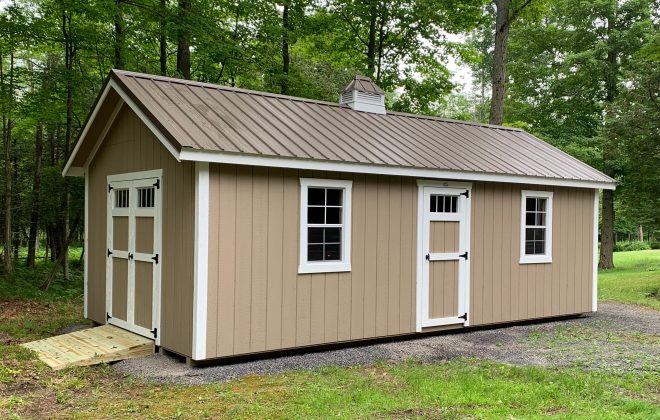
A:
<point x="130" y="256"/>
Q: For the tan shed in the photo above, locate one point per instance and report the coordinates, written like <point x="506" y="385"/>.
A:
<point x="223" y="222"/>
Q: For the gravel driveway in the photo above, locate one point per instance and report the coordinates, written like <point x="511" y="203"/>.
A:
<point x="619" y="338"/>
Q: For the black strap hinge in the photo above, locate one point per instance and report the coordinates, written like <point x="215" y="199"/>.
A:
<point x="155" y="258"/>
<point x="157" y="184"/>
<point x="464" y="317"/>
<point x="107" y="316"/>
<point x="130" y="256"/>
<point x="110" y="188"/>
<point x="464" y="255"/>
<point x="155" y="332"/>
<point x="466" y="193"/>
<point x="109" y="252"/>
<point x="428" y="257"/>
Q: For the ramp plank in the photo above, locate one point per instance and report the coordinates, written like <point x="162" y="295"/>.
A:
<point x="103" y="344"/>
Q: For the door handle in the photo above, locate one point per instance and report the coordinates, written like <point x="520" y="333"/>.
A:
<point x="130" y="256"/>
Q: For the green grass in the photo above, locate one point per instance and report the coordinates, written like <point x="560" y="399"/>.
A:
<point x="635" y="279"/>
<point x="457" y="389"/>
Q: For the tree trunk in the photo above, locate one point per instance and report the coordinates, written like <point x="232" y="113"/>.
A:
<point x="119" y="35"/>
<point x="163" y="39"/>
<point x="284" y="88"/>
<point x="371" y="45"/>
<point x="499" y="62"/>
<point x="183" y="40"/>
<point x="36" y="188"/>
<point x="606" y="259"/>
<point x="6" y="137"/>
<point x="640" y="232"/>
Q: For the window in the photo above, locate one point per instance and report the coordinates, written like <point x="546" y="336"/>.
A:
<point x="325" y="225"/>
<point x="444" y="203"/>
<point x="121" y="198"/>
<point x="146" y="197"/>
<point x="536" y="227"/>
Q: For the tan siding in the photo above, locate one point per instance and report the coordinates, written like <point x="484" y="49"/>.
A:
<point x="130" y="147"/>
<point x="258" y="302"/>
<point x="529" y="290"/>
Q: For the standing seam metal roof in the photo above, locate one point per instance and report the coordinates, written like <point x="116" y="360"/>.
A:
<point x="208" y="117"/>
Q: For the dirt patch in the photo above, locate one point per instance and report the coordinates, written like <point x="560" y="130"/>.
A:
<point x="618" y="338"/>
<point x="13" y="309"/>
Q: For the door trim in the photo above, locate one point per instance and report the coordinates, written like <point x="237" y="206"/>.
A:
<point x="128" y="178"/>
<point x="464" y="287"/>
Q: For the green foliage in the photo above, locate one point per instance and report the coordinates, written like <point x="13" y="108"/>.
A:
<point x="625" y="246"/>
<point x="635" y="279"/>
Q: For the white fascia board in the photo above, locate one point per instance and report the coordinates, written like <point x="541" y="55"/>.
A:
<point x="366" y="168"/>
<point x="79" y="171"/>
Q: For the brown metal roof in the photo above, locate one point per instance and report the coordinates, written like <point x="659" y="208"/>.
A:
<point x="363" y="84"/>
<point x="207" y="117"/>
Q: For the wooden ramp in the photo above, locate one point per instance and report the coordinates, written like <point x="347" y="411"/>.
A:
<point x="92" y="346"/>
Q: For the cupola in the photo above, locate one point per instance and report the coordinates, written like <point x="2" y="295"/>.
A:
<point x="362" y="94"/>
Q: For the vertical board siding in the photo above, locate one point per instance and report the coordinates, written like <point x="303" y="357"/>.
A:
<point x="130" y="146"/>
<point x="257" y="300"/>
<point x="502" y="289"/>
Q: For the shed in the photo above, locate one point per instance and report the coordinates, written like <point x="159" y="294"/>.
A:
<point x="223" y="222"/>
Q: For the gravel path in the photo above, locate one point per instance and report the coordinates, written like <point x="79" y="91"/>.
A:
<point x="617" y="338"/>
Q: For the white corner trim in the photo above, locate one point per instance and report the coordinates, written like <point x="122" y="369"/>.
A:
<point x="201" y="277"/>
<point x="539" y="258"/>
<point x="419" y="252"/>
<point x="86" y="249"/>
<point x="369" y="168"/>
<point x="594" y="297"/>
<point x="344" y="264"/>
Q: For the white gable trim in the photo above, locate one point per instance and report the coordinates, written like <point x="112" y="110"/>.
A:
<point x="79" y="171"/>
<point x="366" y="168"/>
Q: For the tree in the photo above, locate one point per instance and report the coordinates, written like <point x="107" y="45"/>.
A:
<point x="183" y="39"/>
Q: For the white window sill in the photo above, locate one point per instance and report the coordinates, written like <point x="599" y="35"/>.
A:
<point x="535" y="259"/>
<point x="324" y="267"/>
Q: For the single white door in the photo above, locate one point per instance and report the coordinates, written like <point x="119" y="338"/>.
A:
<point x="444" y="255"/>
<point x="134" y="252"/>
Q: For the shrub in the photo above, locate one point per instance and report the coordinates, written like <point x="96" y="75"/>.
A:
<point x="655" y="245"/>
<point x="625" y="246"/>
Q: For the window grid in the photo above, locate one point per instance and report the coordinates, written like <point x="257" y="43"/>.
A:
<point x="444" y="203"/>
<point x="146" y="197"/>
<point x="121" y="198"/>
<point x="535" y="225"/>
<point x="324" y="224"/>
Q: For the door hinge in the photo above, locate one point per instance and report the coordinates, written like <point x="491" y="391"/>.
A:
<point x="155" y="258"/>
<point x="428" y="257"/>
<point x="466" y="193"/>
<point x="464" y="255"/>
<point x="107" y="316"/>
<point x="464" y="317"/>
<point x="155" y="332"/>
<point x="157" y="184"/>
<point x="130" y="256"/>
<point x="109" y="252"/>
<point x="110" y="188"/>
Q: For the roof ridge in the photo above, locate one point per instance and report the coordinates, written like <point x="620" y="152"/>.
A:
<point x="299" y="99"/>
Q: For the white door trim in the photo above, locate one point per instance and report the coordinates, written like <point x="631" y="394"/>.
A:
<point x="133" y="181"/>
<point x="424" y="217"/>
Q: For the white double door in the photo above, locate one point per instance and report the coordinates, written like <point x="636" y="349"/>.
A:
<point x="445" y="253"/>
<point x="134" y="253"/>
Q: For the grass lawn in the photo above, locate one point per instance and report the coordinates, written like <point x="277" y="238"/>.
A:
<point x="635" y="279"/>
<point x="456" y="389"/>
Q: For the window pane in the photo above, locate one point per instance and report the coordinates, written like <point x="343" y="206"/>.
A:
<point x="332" y="252"/>
<point x="530" y="204"/>
<point x="314" y="252"/>
<point x="334" y="197"/>
<point x="333" y="215"/>
<point x="540" y="204"/>
<point x="316" y="196"/>
<point x="539" y="247"/>
<point x="332" y="235"/>
<point x="316" y="215"/>
<point x="529" y="247"/>
<point x="540" y="219"/>
<point x="315" y="235"/>
<point x="454" y="204"/>
<point x="529" y="234"/>
<point x="529" y="219"/>
<point x="434" y="205"/>
<point x="539" y="234"/>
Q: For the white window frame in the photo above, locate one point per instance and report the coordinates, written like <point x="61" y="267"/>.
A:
<point x="344" y="264"/>
<point x="537" y="258"/>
